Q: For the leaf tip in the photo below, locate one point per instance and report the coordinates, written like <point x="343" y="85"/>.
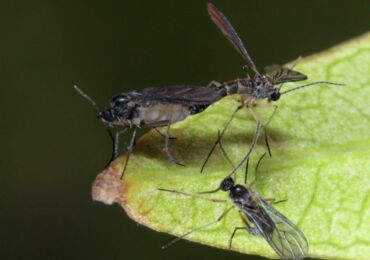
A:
<point x="108" y="187"/>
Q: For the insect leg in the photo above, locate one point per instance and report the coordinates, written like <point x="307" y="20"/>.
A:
<point x="246" y="171"/>
<point x="115" y="142"/>
<point x="198" y="228"/>
<point x="247" y="227"/>
<point x="219" y="138"/>
<point x="129" y="150"/>
<point x="214" y="84"/>
<point x="274" y="201"/>
<point x="224" y="152"/>
<point x="163" y="135"/>
<point x="256" y="117"/>
<point x="167" y="151"/>
<point x="251" y="230"/>
<point x="256" y="169"/>
<point x="233" y="234"/>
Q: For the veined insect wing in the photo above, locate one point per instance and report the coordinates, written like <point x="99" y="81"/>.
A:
<point x="229" y="32"/>
<point x="281" y="74"/>
<point x="282" y="235"/>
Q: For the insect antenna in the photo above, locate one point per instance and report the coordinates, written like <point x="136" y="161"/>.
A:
<point x="192" y="195"/>
<point x="187" y="234"/>
<point x="114" y="138"/>
<point x="201" y="227"/>
<point x="198" y="228"/>
<point x="84" y="95"/>
<point x="312" y="84"/>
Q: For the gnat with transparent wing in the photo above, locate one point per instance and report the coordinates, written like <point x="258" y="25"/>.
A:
<point x="151" y="108"/>
<point x="255" y="86"/>
<point x="258" y="216"/>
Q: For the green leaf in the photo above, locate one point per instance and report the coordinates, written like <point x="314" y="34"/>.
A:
<point x="320" y="139"/>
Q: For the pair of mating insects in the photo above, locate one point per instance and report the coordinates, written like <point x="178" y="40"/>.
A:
<point x="162" y="106"/>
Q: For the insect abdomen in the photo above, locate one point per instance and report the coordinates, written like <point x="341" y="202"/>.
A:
<point x="238" y="86"/>
<point x="162" y="114"/>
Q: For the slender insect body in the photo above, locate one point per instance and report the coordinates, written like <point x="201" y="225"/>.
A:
<point x="160" y="106"/>
<point x="154" y="107"/>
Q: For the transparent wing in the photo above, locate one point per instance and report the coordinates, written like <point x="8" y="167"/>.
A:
<point x="282" y="235"/>
<point x="182" y="94"/>
<point x="228" y="30"/>
<point x="281" y="74"/>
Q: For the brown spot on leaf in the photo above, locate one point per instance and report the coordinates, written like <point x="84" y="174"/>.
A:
<point x="108" y="187"/>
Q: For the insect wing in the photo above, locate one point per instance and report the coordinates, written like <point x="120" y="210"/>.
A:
<point x="228" y="30"/>
<point x="281" y="74"/>
<point x="181" y="94"/>
<point x="282" y="235"/>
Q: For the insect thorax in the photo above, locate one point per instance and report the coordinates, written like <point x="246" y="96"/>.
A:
<point x="242" y="197"/>
<point x="263" y="87"/>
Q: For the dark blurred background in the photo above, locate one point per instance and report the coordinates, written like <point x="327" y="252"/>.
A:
<point x="52" y="145"/>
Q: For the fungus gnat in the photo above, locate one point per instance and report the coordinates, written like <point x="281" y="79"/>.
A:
<point x="151" y="108"/>
<point x="258" y="216"/>
<point x="255" y="86"/>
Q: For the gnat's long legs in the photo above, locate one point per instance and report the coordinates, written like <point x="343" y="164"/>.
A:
<point x="224" y="152"/>
<point x="167" y="151"/>
<point x="129" y="150"/>
<point x="219" y="138"/>
<point x="163" y="135"/>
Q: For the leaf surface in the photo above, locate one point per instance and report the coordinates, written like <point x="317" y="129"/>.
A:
<point x="320" y="139"/>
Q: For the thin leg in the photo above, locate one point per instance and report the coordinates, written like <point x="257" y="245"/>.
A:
<point x="162" y="135"/>
<point x="224" y="152"/>
<point x="266" y="138"/>
<point x="112" y="138"/>
<point x="246" y="171"/>
<point x="198" y="228"/>
<point x="115" y="143"/>
<point x="219" y="138"/>
<point x="256" y="117"/>
<point x="214" y="84"/>
<point x="166" y="139"/>
<point x="251" y="230"/>
<point x="129" y="150"/>
<point x="256" y="169"/>
<point x="233" y="234"/>
<point x="274" y="201"/>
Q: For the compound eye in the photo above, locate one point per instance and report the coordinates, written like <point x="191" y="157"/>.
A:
<point x="117" y="101"/>
<point x="275" y="95"/>
<point x="106" y="116"/>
